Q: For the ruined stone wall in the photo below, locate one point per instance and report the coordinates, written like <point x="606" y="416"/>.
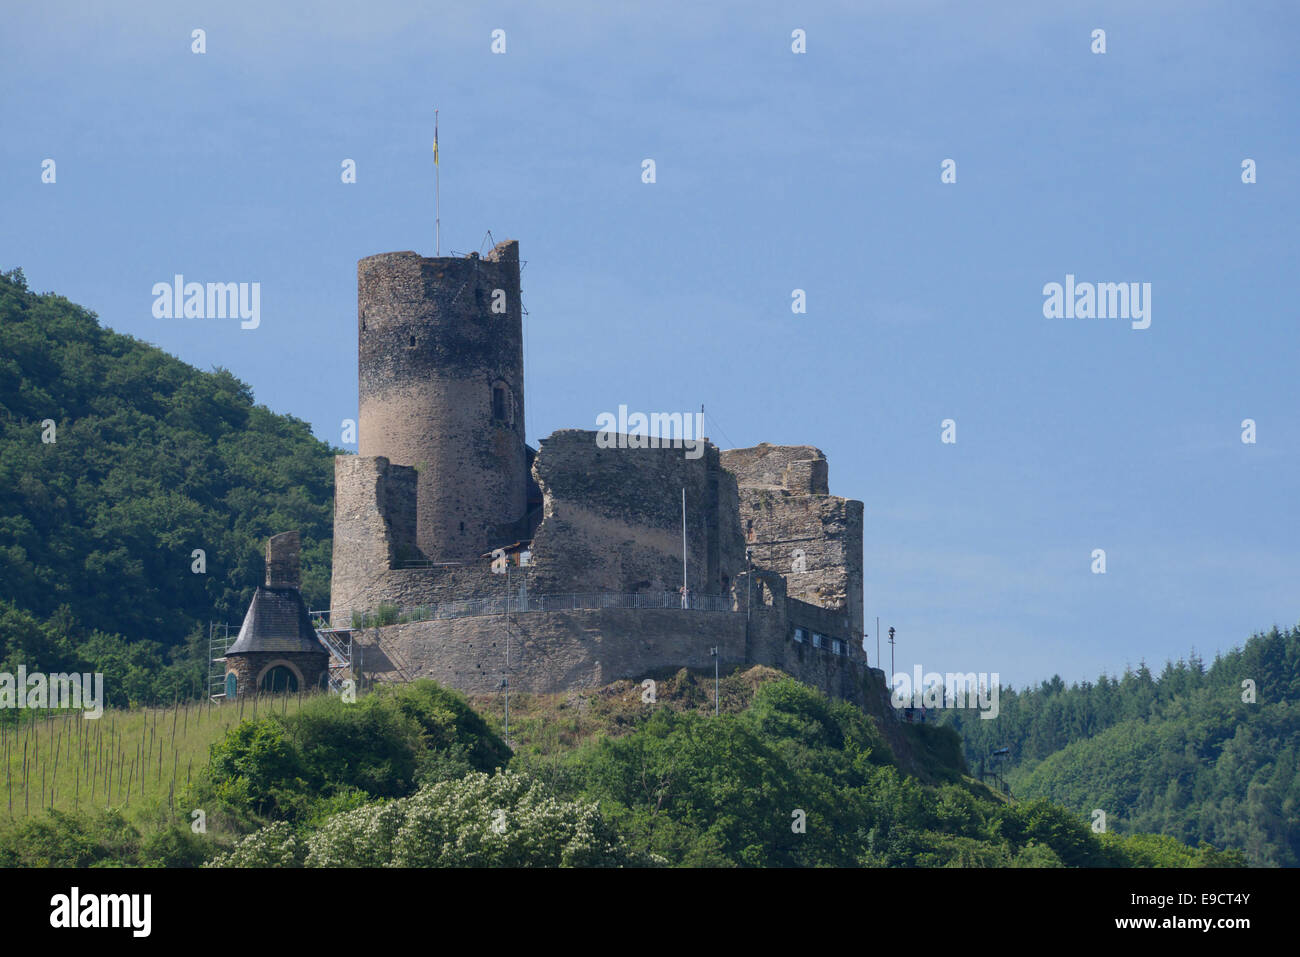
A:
<point x="765" y="465"/>
<point x="612" y="518"/>
<point x="431" y="352"/>
<point x="612" y="523"/>
<point x="374" y="525"/>
<point x="793" y="527"/>
<point x="551" y="651"/>
<point x="772" y="619"/>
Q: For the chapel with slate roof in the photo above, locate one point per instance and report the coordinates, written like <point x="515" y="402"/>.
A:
<point x="277" y="649"/>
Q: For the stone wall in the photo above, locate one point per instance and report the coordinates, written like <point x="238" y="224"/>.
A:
<point x="772" y="620"/>
<point x="612" y="518"/>
<point x="612" y="523"/>
<point x="793" y="527"/>
<point x="374" y="525"/>
<point x="764" y="465"/>
<point x="557" y="651"/>
<point x="551" y="651"/>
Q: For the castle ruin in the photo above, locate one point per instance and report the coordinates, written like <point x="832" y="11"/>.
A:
<point x="562" y="567"/>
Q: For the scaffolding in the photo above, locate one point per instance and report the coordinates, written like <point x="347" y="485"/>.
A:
<point x="338" y="642"/>
<point x="220" y="638"/>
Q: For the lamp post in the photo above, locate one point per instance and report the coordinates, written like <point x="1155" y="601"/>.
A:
<point x="891" y="652"/>
<point x="714" y="651"/>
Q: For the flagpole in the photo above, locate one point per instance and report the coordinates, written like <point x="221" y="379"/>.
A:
<point x="684" y="599"/>
<point x="437" y="192"/>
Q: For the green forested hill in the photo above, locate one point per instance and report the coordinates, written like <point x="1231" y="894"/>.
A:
<point x="152" y="459"/>
<point x="1181" y="754"/>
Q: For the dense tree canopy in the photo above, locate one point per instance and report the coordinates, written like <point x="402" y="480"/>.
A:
<point x="1198" y="754"/>
<point x="117" y="461"/>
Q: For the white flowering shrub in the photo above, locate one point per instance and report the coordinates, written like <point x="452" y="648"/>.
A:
<point x="480" y="820"/>
<point x="502" y="820"/>
<point x="273" y="846"/>
<point x="362" y="837"/>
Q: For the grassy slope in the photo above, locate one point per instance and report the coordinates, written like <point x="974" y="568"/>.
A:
<point x="125" y="745"/>
<point x="542" y="727"/>
<point x="156" y="751"/>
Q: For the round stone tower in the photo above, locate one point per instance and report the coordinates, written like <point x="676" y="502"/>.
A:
<point x="441" y="362"/>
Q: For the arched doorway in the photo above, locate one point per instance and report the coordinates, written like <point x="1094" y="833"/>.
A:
<point x="232" y="684"/>
<point x="278" y="680"/>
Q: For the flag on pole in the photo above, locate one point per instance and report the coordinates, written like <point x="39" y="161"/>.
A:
<point x="435" y="142"/>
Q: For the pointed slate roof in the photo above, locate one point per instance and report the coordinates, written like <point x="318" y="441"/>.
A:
<point x="277" y="618"/>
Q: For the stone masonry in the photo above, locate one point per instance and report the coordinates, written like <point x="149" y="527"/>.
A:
<point x="441" y="389"/>
<point x="796" y="528"/>
<point x="443" y="479"/>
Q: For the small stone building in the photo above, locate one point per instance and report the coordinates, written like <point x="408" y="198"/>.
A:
<point x="277" y="649"/>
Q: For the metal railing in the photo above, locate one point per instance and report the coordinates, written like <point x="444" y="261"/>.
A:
<point x="524" y="603"/>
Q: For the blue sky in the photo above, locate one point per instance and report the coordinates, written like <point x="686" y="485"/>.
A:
<point x="775" y="171"/>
